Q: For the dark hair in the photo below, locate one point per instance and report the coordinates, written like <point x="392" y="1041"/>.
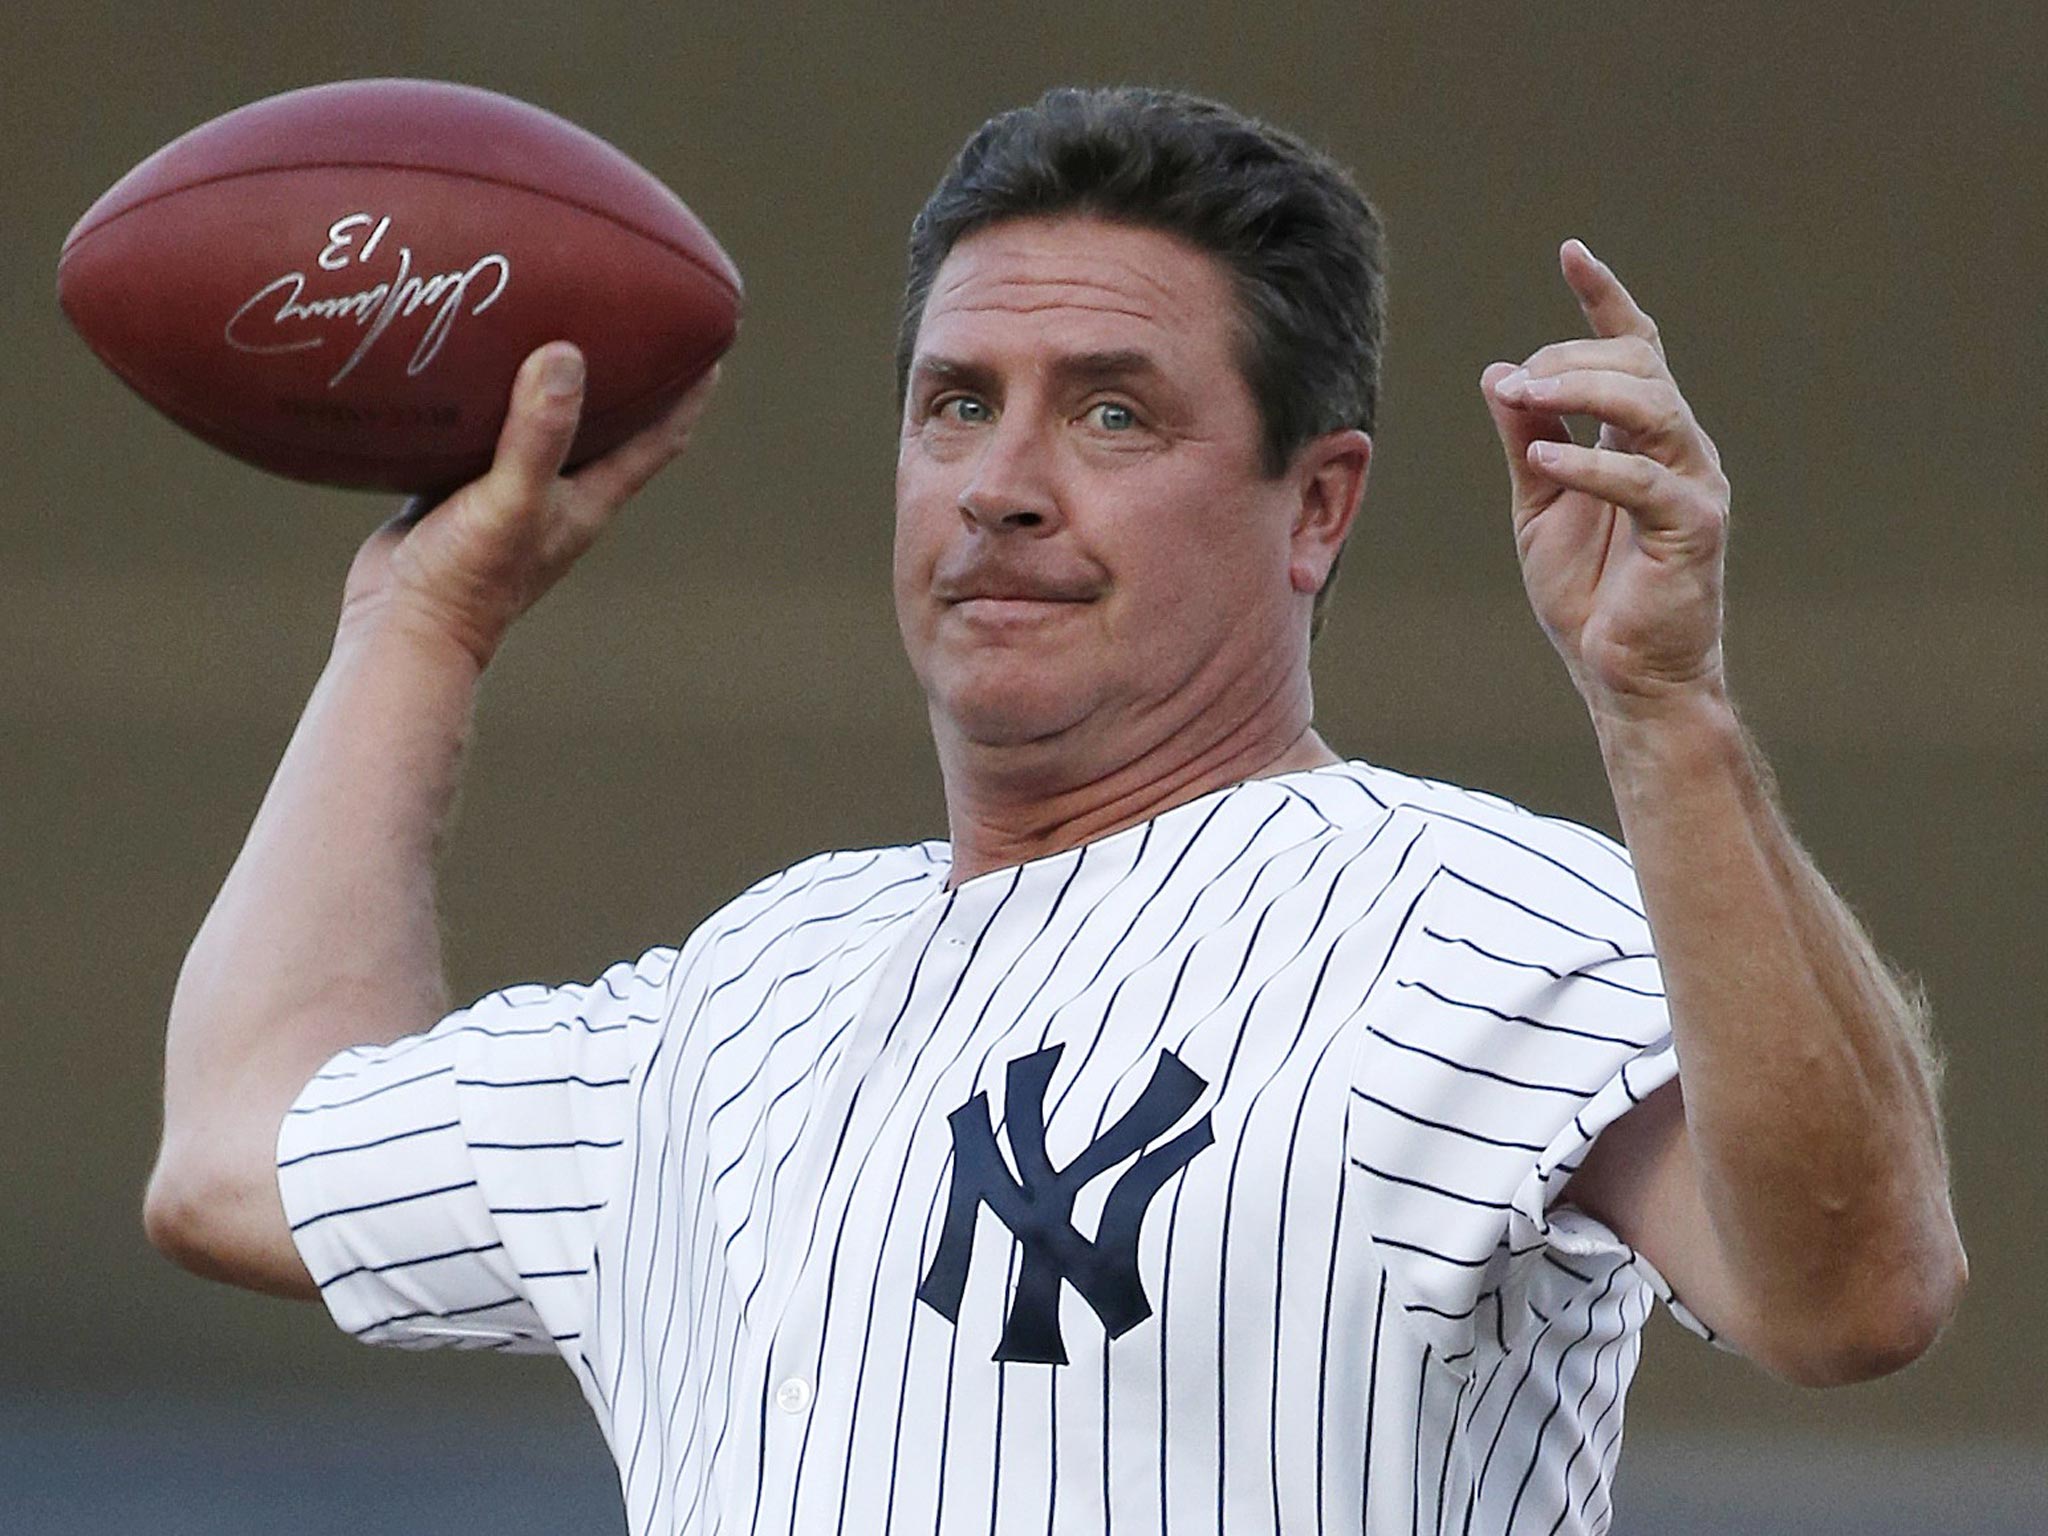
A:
<point x="1303" y="246"/>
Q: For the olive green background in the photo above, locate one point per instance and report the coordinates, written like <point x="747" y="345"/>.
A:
<point x="1836" y="213"/>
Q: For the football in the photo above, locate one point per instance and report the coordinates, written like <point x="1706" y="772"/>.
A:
<point x="338" y="284"/>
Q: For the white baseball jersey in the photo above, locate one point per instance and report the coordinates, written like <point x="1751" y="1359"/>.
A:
<point x="1200" y="1178"/>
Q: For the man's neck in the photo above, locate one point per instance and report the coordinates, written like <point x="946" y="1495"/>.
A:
<point x="998" y="821"/>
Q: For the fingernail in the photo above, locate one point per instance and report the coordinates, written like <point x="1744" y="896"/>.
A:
<point x="1543" y="452"/>
<point x="562" y="375"/>
<point x="1514" y="383"/>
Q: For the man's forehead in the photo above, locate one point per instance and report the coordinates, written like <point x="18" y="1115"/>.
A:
<point x="1115" y="278"/>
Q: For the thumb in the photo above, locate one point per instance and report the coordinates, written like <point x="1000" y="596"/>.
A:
<point x="540" y="424"/>
<point x="1518" y="428"/>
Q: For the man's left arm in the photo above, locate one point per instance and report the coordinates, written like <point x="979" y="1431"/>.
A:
<point x="1794" y="1191"/>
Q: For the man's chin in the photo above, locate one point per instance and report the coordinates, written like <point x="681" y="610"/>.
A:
<point x="994" y="719"/>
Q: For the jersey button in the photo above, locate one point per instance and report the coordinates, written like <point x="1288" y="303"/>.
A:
<point x="794" y="1395"/>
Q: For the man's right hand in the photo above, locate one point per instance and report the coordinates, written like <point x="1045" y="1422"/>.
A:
<point x="472" y="564"/>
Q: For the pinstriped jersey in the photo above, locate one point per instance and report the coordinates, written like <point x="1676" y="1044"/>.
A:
<point x="1204" y="1177"/>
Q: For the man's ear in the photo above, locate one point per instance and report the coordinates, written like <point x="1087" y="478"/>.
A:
<point x="1329" y="473"/>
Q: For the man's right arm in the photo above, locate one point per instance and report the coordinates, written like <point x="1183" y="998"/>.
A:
<point x="324" y="934"/>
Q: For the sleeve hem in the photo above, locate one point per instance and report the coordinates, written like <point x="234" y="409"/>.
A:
<point x="385" y="1209"/>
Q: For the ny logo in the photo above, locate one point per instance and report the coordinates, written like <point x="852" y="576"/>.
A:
<point x="1038" y="1204"/>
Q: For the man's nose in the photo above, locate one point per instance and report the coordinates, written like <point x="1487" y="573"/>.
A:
<point x="1012" y="486"/>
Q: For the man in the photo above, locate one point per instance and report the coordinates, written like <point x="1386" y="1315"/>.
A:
<point x="1211" y="1134"/>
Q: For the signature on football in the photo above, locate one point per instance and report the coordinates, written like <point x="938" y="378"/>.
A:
<point x="274" y="317"/>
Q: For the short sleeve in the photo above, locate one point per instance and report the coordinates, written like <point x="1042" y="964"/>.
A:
<point x="445" y="1189"/>
<point x="1520" y="1013"/>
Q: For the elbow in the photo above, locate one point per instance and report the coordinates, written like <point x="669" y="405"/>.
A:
<point x="1891" y="1321"/>
<point x="177" y="1218"/>
<point x="206" y="1221"/>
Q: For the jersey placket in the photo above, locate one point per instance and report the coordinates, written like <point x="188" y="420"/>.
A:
<point x="925" y="968"/>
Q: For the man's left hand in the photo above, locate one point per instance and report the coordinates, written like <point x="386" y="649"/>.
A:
<point x="1621" y="542"/>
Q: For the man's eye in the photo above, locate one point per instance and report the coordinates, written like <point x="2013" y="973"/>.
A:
<point x="1112" y="417"/>
<point x="965" y="409"/>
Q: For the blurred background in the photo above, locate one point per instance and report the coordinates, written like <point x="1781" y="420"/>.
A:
<point x="1837" y="214"/>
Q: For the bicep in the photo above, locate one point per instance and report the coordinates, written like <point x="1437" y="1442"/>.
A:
<point x="385" y="1200"/>
<point x="447" y="1188"/>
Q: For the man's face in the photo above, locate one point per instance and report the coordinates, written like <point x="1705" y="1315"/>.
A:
<point x="1087" y="550"/>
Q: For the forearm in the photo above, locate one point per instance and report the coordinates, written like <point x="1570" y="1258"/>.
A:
<point x="1809" y="1087"/>
<point x="324" y="933"/>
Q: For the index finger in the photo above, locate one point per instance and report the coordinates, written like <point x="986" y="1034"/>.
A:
<point x="605" y="483"/>
<point x="1609" y="307"/>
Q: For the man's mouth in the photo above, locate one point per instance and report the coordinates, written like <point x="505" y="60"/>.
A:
<point x="1011" y="591"/>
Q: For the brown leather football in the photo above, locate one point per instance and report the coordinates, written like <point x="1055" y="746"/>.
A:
<point x="339" y="283"/>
